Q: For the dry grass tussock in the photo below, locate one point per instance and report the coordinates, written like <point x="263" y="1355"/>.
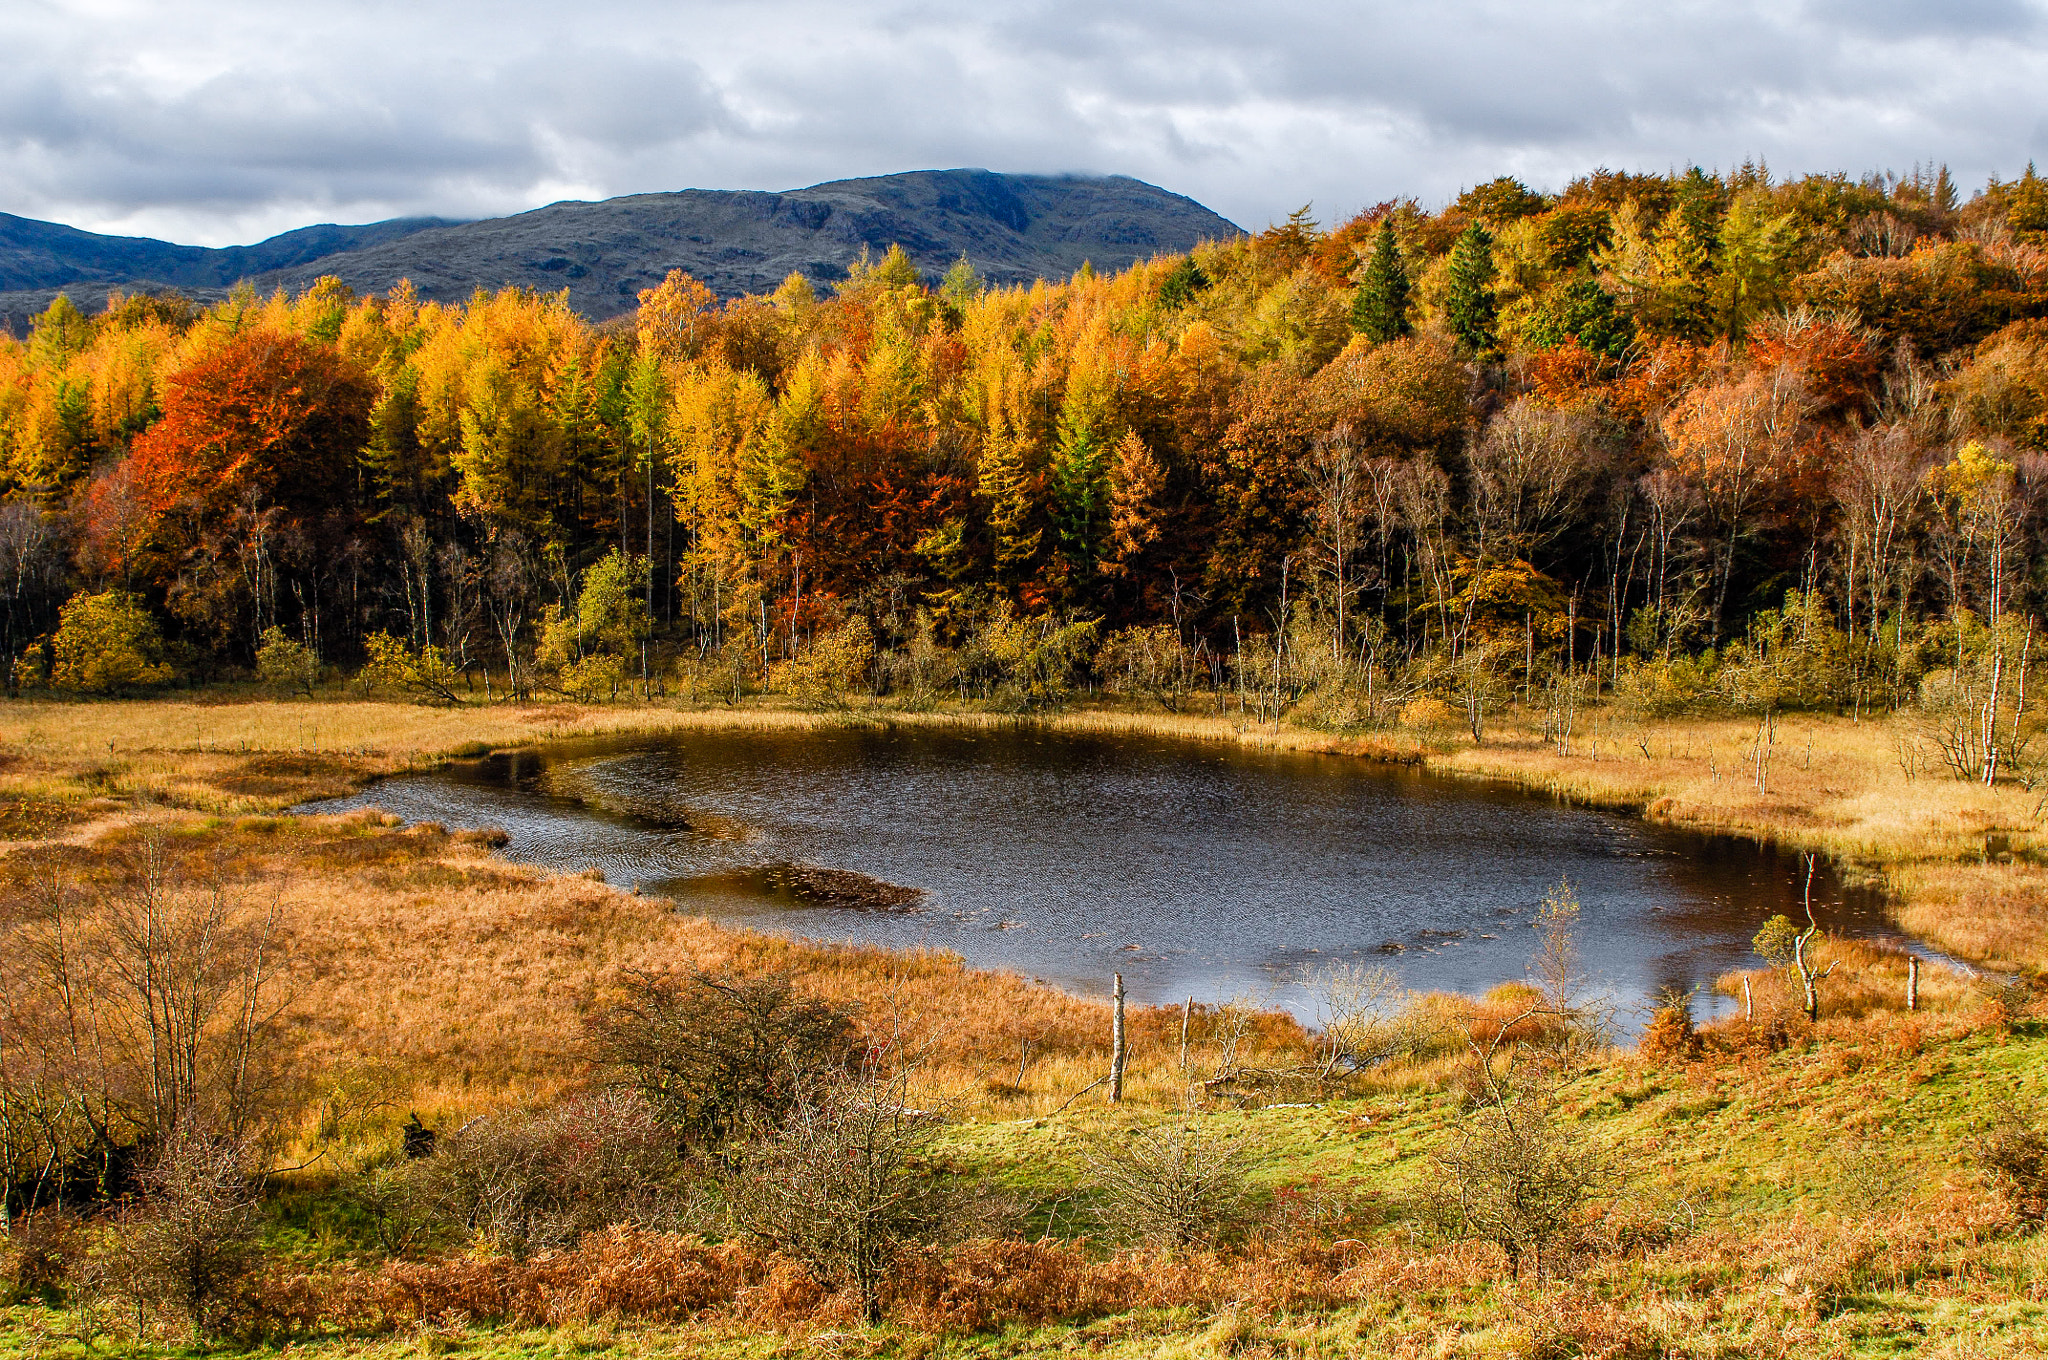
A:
<point x="454" y="982"/>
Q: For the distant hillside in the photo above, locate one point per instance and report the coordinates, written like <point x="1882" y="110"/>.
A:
<point x="44" y="258"/>
<point x="1014" y="228"/>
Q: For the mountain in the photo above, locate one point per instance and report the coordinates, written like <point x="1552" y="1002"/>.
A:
<point x="38" y="256"/>
<point x="1014" y="228"/>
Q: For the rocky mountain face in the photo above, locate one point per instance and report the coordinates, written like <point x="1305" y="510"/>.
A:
<point x="1013" y="228"/>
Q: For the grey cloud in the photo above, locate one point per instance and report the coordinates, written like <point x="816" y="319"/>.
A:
<point x="1903" y="18"/>
<point x="222" y="118"/>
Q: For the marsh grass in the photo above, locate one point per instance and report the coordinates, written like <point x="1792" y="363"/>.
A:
<point x="469" y="980"/>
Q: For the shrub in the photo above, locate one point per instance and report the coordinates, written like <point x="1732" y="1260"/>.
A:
<point x="1428" y="715"/>
<point x="714" y="1053"/>
<point x="181" y="1251"/>
<point x="525" y="1182"/>
<point x="389" y="663"/>
<point x="1178" y="1183"/>
<point x="988" y="1281"/>
<point x="1517" y="1178"/>
<point x="842" y="1185"/>
<point x="107" y="642"/>
<point x="833" y="666"/>
<point x="1671" y="1032"/>
<point x="289" y="666"/>
<point x="596" y="678"/>
<point x="40" y="1251"/>
<point x="2014" y="1153"/>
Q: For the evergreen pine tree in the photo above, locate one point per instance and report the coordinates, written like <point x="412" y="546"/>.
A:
<point x="1468" y="301"/>
<point x="1379" y="310"/>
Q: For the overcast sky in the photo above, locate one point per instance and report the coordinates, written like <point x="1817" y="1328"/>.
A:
<point x="223" y="121"/>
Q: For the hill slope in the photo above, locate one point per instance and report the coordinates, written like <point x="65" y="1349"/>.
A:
<point x="1014" y="228"/>
<point x="38" y="256"/>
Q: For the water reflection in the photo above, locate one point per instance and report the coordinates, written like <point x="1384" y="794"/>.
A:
<point x="1191" y="869"/>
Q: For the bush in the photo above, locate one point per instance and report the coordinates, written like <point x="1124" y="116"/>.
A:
<point x="1178" y="1183"/>
<point x="1671" y="1032"/>
<point x="2014" y="1153"/>
<point x="842" y="1185"/>
<point x="596" y="678"/>
<point x="41" y="1249"/>
<point x="289" y="666"/>
<point x="1428" y="715"/>
<point x="713" y="1054"/>
<point x="389" y="663"/>
<point x="833" y="666"/>
<point x="183" y="1249"/>
<point x="526" y="1182"/>
<point x="1515" y="1177"/>
<point x="107" y="642"/>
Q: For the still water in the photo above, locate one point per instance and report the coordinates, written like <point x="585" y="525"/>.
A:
<point x="1191" y="869"/>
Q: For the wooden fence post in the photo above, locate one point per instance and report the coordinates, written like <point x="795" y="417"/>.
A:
<point x="1912" y="982"/>
<point x="1116" y="1044"/>
<point x="1187" y="1013"/>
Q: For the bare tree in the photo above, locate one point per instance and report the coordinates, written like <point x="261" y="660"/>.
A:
<point x="1877" y="484"/>
<point x="1367" y="1016"/>
<point x="1422" y="492"/>
<point x="29" y="564"/>
<point x="1336" y="479"/>
<point x="1739" y="442"/>
<point x="508" y="592"/>
<point x="1530" y="471"/>
<point x="1673" y="504"/>
<point x="136" y="1009"/>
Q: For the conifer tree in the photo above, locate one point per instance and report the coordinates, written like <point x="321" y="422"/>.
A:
<point x="1006" y="484"/>
<point x="1688" y="255"/>
<point x="1469" y="301"/>
<point x="1379" y="311"/>
<point x="2029" y="202"/>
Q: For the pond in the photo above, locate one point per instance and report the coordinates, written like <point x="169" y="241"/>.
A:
<point x="1193" y="869"/>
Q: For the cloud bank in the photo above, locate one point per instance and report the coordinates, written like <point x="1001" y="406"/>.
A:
<point x="223" y="121"/>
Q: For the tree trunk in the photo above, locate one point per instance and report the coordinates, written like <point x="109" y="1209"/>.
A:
<point x="1116" y="1043"/>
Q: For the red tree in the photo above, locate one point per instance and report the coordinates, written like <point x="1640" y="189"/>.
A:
<point x="265" y="420"/>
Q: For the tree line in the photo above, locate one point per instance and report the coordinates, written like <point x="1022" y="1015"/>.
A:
<point x="1625" y="431"/>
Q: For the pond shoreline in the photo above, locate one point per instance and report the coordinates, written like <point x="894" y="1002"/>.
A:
<point x="1221" y="872"/>
<point x="1831" y="786"/>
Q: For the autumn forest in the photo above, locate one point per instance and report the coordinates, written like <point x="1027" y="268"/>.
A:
<point x="1694" y="436"/>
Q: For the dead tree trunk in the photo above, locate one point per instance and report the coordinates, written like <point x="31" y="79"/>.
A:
<point x="1187" y="1014"/>
<point x="1116" y="1044"/>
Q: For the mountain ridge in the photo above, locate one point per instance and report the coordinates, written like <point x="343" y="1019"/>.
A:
<point x="1012" y="228"/>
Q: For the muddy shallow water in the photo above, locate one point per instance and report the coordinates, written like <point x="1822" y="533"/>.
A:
<point x="1190" y="868"/>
